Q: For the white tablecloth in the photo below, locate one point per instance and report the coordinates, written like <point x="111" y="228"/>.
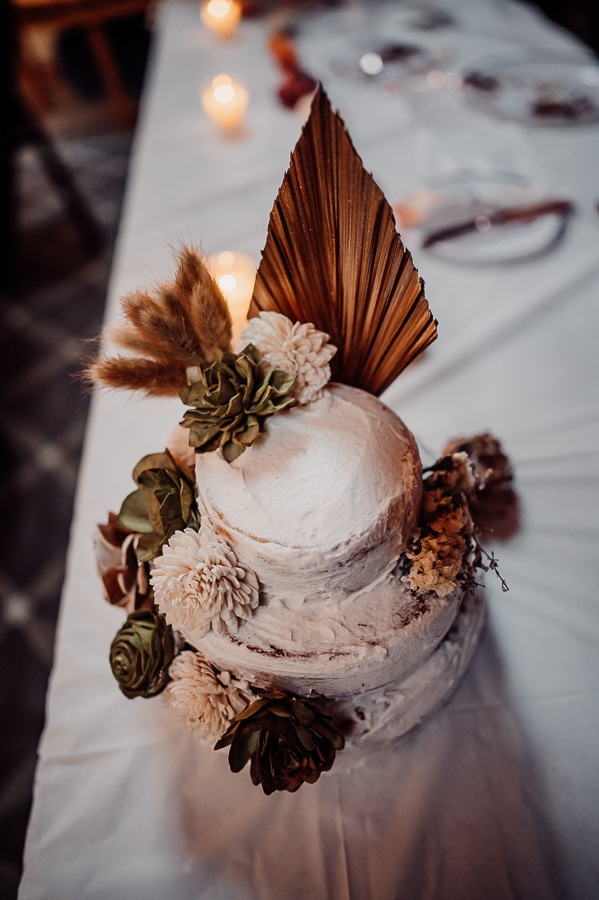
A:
<point x="498" y="796"/>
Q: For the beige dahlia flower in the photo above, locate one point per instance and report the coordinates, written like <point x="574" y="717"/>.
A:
<point x="199" y="584"/>
<point x="295" y="347"/>
<point x="204" y="700"/>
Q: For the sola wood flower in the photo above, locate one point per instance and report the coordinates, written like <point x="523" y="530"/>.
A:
<point x="289" y="742"/>
<point x="141" y="653"/>
<point x="203" y="699"/>
<point x="126" y="581"/>
<point x="230" y="400"/>
<point x="296" y="347"/>
<point x="199" y="584"/>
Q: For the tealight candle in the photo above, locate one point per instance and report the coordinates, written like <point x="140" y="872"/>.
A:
<point x="221" y="16"/>
<point x="235" y="274"/>
<point x="225" y="102"/>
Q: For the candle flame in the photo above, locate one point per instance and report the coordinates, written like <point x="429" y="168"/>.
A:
<point x="219" y="8"/>
<point x="224" y="93"/>
<point x="227" y="283"/>
<point x="221" y="16"/>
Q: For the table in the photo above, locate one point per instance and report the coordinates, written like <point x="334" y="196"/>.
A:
<point x="498" y="796"/>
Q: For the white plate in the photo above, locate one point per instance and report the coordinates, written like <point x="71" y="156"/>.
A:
<point x="451" y="202"/>
<point x="390" y="62"/>
<point x="419" y="16"/>
<point x="539" y="88"/>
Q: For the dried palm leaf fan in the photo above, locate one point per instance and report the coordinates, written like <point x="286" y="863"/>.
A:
<point x="333" y="257"/>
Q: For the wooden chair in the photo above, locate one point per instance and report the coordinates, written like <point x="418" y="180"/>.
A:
<point x="91" y="16"/>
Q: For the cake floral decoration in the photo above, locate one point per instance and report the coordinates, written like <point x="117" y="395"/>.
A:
<point x="333" y="257"/>
<point x="204" y="700"/>
<point x="288" y="741"/>
<point x="441" y="543"/>
<point x="492" y="500"/>
<point x="141" y="653"/>
<point x="295" y="347"/>
<point x="230" y="400"/>
<point x="445" y="550"/>
<point x="199" y="584"/>
<point x="125" y="579"/>
<point x="163" y="503"/>
<point x="181" y="324"/>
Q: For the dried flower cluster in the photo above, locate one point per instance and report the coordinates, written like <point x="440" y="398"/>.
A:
<point x="493" y="501"/>
<point x="202" y="699"/>
<point x="298" y="348"/>
<point x="180" y="324"/>
<point x="439" y="551"/>
<point x="199" y="584"/>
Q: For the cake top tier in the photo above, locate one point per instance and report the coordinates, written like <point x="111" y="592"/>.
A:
<point x="329" y="493"/>
<point x="318" y="475"/>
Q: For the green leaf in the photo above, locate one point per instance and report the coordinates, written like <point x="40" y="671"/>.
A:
<point x="134" y="513"/>
<point x="242" y="749"/>
<point x="149" y="546"/>
<point x="162" y="460"/>
<point x="282" y="381"/>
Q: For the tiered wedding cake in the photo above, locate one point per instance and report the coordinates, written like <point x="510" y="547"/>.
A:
<point x="295" y="588"/>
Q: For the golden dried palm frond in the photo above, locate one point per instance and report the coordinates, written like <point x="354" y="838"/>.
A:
<point x="333" y="257"/>
<point x="178" y="325"/>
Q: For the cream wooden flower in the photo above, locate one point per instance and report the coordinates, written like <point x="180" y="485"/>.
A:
<point x="199" y="584"/>
<point x="295" y="347"/>
<point x="202" y="699"/>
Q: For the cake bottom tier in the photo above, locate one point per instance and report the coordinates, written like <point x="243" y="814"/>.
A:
<point x="388" y="713"/>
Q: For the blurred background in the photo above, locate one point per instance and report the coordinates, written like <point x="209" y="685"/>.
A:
<point x="71" y="80"/>
<point x="72" y="74"/>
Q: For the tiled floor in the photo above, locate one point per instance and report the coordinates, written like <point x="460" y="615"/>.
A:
<point x="58" y="303"/>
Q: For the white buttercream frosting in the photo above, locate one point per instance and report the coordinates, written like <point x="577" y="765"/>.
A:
<point x="320" y="508"/>
<point x="388" y="713"/>
<point x="337" y="646"/>
<point x="325" y="500"/>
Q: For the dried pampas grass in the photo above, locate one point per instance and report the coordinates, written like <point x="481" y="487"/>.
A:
<point x="333" y="257"/>
<point x="166" y="331"/>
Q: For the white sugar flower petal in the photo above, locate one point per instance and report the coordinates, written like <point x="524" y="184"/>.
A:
<point x="204" y="700"/>
<point x="295" y="347"/>
<point x="199" y="584"/>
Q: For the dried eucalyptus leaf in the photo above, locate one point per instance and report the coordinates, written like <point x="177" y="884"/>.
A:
<point x="134" y="513"/>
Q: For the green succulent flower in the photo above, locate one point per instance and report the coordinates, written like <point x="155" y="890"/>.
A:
<point x="141" y="653"/>
<point x="164" y="502"/>
<point x="289" y="742"/>
<point x="231" y="400"/>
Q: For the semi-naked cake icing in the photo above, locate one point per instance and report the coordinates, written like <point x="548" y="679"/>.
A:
<point x="298" y="589"/>
<point x="321" y="509"/>
<point x="326" y="500"/>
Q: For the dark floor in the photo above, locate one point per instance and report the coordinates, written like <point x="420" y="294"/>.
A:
<point x="57" y="303"/>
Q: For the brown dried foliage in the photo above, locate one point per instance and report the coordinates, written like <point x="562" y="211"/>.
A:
<point x="178" y="325"/>
<point x="333" y="257"/>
